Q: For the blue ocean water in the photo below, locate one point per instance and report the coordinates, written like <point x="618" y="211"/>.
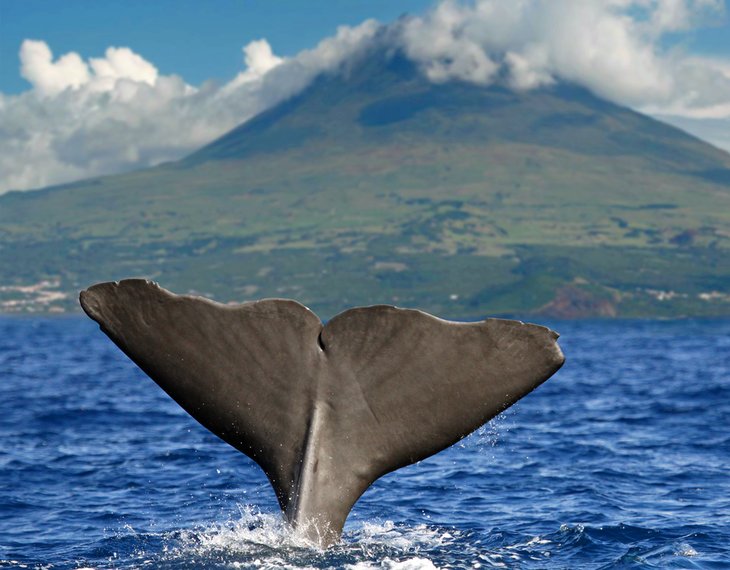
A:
<point x="621" y="460"/>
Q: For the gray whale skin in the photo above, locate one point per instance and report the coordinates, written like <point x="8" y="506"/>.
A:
<point x="324" y="410"/>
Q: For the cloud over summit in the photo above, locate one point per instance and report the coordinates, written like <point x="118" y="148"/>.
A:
<point x="84" y="117"/>
<point x="613" y="47"/>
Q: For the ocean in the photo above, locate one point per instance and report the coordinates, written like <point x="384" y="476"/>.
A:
<point x="621" y="460"/>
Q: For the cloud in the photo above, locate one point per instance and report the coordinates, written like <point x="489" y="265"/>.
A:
<point x="612" y="47"/>
<point x="117" y="112"/>
<point x="623" y="50"/>
<point x="121" y="63"/>
<point x="259" y="60"/>
<point x="47" y="77"/>
<point x="445" y="48"/>
<point x="103" y="115"/>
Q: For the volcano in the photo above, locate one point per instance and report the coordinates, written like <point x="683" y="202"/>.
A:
<point x="375" y="185"/>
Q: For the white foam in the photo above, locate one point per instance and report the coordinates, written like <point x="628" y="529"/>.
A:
<point x="388" y="564"/>
<point x="252" y="531"/>
<point x="266" y="541"/>
<point x="685" y="549"/>
<point x="400" y="537"/>
<point x="252" y="539"/>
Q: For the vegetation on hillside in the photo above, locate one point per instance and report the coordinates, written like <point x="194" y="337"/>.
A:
<point x="376" y="186"/>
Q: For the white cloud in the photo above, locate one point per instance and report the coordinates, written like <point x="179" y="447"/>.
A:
<point x="122" y="63"/>
<point x="616" y="48"/>
<point x="49" y="77"/>
<point x="110" y="114"/>
<point x="446" y="48"/>
<point x="680" y="15"/>
<point x="609" y="46"/>
<point x="259" y="60"/>
<point x="107" y="114"/>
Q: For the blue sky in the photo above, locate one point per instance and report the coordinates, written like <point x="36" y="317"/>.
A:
<point x="90" y="87"/>
<point x="201" y="40"/>
<point x="196" y="39"/>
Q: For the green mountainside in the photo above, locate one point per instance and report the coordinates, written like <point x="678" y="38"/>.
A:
<point x="377" y="186"/>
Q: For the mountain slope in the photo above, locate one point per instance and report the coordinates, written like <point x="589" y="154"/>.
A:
<point x="374" y="185"/>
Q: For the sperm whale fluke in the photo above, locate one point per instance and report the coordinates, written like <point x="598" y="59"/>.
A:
<point x="325" y="410"/>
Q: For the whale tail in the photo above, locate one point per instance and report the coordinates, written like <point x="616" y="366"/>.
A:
<point x="324" y="410"/>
